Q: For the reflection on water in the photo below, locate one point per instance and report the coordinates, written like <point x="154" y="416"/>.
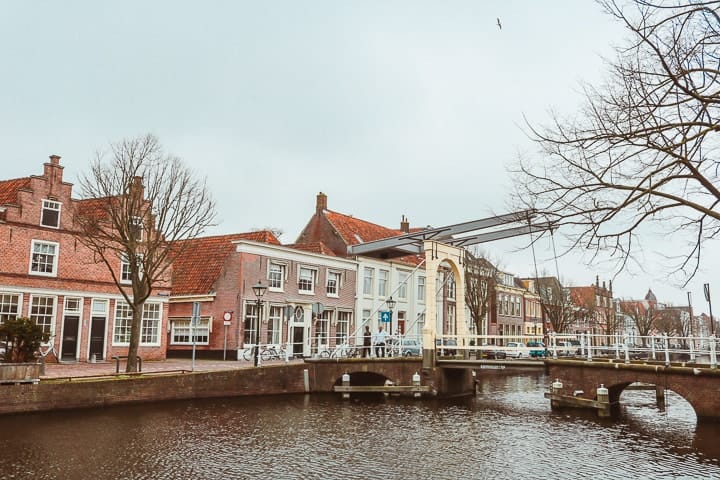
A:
<point x="507" y="431"/>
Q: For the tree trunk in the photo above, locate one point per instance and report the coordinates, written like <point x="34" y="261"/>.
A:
<point x="135" y="330"/>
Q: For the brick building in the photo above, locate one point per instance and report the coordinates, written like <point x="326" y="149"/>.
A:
<point x="49" y="276"/>
<point x="309" y="302"/>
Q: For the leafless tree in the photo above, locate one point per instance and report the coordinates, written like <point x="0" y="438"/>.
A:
<point x="480" y="283"/>
<point x="643" y="314"/>
<point x="641" y="156"/>
<point x="556" y="304"/>
<point x="135" y="204"/>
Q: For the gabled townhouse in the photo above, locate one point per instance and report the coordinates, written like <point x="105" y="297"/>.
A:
<point x="308" y="304"/>
<point x="402" y="278"/>
<point x="595" y="309"/>
<point x="533" y="320"/>
<point x="507" y="318"/>
<point x="49" y="276"/>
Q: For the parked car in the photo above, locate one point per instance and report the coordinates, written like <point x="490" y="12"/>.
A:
<point x="515" y="349"/>
<point x="492" y="352"/>
<point x="409" y="347"/>
<point x="442" y="345"/>
<point x="537" y="349"/>
<point x="566" y="348"/>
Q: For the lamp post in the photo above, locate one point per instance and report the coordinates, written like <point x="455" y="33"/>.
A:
<point x="259" y="290"/>
<point x="390" y="304"/>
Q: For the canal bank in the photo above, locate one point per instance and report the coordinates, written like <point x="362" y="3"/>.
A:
<point x="70" y="386"/>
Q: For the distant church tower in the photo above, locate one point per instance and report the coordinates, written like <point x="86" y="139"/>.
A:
<point x="650" y="297"/>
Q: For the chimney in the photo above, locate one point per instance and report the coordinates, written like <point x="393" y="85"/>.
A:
<point x="320" y="202"/>
<point x="53" y="172"/>
<point x="597" y="280"/>
<point x="137" y="191"/>
<point x="404" y="225"/>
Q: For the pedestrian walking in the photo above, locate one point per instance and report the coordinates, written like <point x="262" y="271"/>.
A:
<point x="380" y="342"/>
<point x="367" y="342"/>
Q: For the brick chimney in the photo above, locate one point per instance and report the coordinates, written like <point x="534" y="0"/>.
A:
<point x="137" y="191"/>
<point x="320" y="202"/>
<point x="404" y="225"/>
<point x="52" y="170"/>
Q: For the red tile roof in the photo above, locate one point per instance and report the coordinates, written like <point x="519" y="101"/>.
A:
<point x="313" y="247"/>
<point x="354" y="231"/>
<point x="197" y="268"/>
<point x="9" y="189"/>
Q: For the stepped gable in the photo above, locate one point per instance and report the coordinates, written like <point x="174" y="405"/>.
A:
<point x="9" y="189"/>
<point x="202" y="260"/>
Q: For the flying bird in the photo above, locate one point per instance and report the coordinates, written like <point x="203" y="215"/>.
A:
<point x="499" y="24"/>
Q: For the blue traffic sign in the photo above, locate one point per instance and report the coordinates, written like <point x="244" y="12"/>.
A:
<point x="386" y="316"/>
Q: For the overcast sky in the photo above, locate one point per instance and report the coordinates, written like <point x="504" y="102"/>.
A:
<point x="390" y="107"/>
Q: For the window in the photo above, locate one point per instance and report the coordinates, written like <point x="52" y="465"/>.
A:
<point x="181" y="332"/>
<point x="276" y="276"/>
<point x="421" y="288"/>
<point x="342" y="327"/>
<point x="333" y="283"/>
<point x="274" y="325"/>
<point x="382" y="282"/>
<point x="42" y="312"/>
<point x="126" y="271"/>
<point x="366" y="317"/>
<point x="368" y="281"/>
<point x="136" y="228"/>
<point x="44" y="258"/>
<point x="451" y="285"/>
<point x="322" y="326"/>
<point x="402" y="284"/>
<point x="99" y="307"/>
<point x="72" y="305"/>
<point x="50" y="214"/>
<point x="306" y="280"/>
<point x="9" y="306"/>
<point x="251" y="323"/>
<point x="149" y="326"/>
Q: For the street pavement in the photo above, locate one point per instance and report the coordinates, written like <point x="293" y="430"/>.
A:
<point x="108" y="367"/>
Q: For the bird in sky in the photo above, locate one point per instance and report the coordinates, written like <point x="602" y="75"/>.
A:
<point x="499" y="24"/>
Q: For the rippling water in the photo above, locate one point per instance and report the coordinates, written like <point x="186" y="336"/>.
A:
<point x="507" y="431"/>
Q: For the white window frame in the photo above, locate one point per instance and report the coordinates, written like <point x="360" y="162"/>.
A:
<point x="368" y="280"/>
<point x="283" y="274"/>
<point x="55" y="255"/>
<point x="181" y="327"/>
<point x="50" y="206"/>
<point x="6" y="306"/>
<point x="312" y="280"/>
<point x="136" y="227"/>
<point x="383" y="277"/>
<point x="403" y="280"/>
<point x="149" y="325"/>
<point x="50" y="301"/>
<point x="125" y="271"/>
<point x="274" y="328"/>
<point x="333" y="290"/>
<point x="322" y="328"/>
<point x="342" y="326"/>
<point x="421" y="288"/>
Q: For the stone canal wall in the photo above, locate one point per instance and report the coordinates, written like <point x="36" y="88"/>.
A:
<point x="309" y="377"/>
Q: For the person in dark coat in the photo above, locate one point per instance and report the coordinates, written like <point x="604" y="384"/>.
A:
<point x="367" y="341"/>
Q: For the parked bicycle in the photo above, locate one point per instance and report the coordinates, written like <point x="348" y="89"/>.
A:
<point x="341" y="351"/>
<point x="266" y="353"/>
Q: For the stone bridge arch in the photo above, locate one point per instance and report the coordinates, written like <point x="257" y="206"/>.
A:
<point x="580" y="381"/>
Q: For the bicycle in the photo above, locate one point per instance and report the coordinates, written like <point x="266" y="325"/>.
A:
<point x="49" y="347"/>
<point x="341" y="351"/>
<point x="272" y="353"/>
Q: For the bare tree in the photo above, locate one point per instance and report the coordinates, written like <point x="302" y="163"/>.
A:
<point x="641" y="155"/>
<point x="480" y="282"/>
<point x="135" y="205"/>
<point x="643" y="314"/>
<point x="556" y="304"/>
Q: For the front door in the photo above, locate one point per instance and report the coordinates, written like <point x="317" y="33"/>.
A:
<point x="97" y="337"/>
<point x="299" y="326"/>
<point x="68" y="349"/>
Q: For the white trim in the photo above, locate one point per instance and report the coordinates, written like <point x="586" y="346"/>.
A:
<point x="59" y="212"/>
<point x="56" y="258"/>
<point x="284" y="253"/>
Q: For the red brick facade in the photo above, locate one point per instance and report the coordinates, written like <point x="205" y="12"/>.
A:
<point x="48" y="275"/>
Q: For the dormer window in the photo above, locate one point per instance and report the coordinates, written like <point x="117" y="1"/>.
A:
<point x="50" y="214"/>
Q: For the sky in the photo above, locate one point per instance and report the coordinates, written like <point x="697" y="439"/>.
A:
<point x="390" y="107"/>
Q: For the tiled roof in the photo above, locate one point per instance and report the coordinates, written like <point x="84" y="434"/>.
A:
<point x="582" y="295"/>
<point x="313" y="247"/>
<point x="9" y="189"/>
<point x="93" y="207"/>
<point x="202" y="260"/>
<point x="354" y="231"/>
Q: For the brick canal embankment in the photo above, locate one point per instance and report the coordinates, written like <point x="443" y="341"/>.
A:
<point x="83" y="385"/>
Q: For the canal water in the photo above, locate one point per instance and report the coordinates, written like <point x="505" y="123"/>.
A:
<point x="506" y="432"/>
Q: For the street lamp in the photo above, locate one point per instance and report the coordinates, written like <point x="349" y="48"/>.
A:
<point x="259" y="291"/>
<point x="390" y="304"/>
